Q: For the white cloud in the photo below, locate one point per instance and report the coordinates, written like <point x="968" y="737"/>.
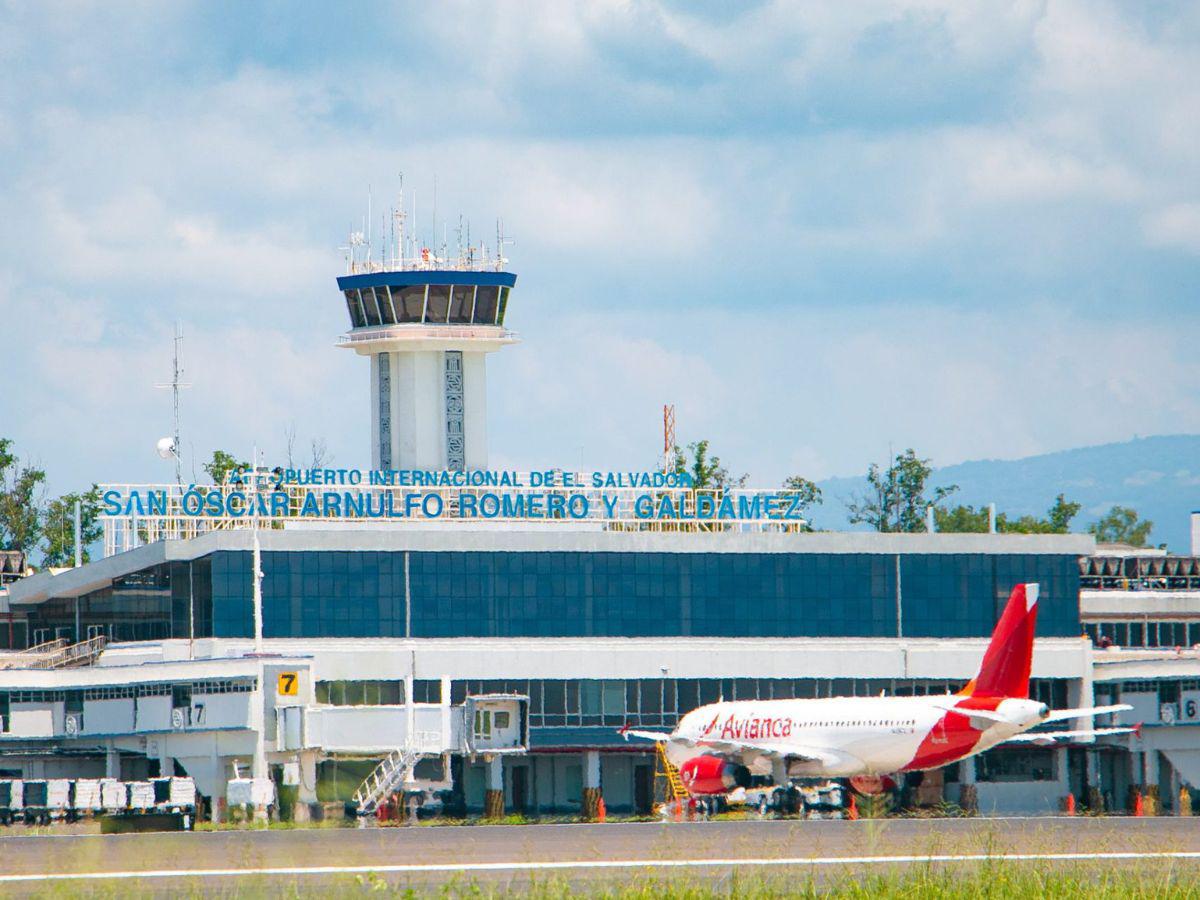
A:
<point x="1177" y="225"/>
<point x="825" y="394"/>
<point x="730" y="215"/>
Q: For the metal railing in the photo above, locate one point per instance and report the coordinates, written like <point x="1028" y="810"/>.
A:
<point x="387" y="778"/>
<point x="418" y="331"/>
<point x="1140" y="583"/>
<point x="29" y="658"/>
<point x="82" y="654"/>
<point x="468" y="259"/>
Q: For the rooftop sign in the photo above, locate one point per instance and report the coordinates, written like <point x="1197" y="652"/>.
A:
<point x="403" y="496"/>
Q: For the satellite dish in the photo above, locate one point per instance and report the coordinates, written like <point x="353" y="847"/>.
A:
<point x="165" y="447"/>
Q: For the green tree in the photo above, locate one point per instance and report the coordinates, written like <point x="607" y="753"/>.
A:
<point x="1056" y="521"/>
<point x="21" y="490"/>
<point x="707" y="471"/>
<point x="967" y="519"/>
<point x="1061" y="513"/>
<point x="1120" y="525"/>
<point x="895" y="499"/>
<point x="964" y="520"/>
<point x="810" y="495"/>
<point x="221" y="464"/>
<point x="59" y="527"/>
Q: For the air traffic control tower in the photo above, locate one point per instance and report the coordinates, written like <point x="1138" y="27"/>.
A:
<point x="427" y="323"/>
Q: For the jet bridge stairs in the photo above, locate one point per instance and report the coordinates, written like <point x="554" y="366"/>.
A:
<point x="488" y="725"/>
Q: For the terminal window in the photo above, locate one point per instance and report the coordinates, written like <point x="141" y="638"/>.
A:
<point x="1025" y="764"/>
<point x="557" y="703"/>
<point x="360" y="693"/>
<point x="577" y="594"/>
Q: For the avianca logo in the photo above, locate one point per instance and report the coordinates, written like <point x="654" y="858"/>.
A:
<point x="750" y="727"/>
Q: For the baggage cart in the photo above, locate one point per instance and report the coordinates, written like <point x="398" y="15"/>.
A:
<point x="141" y="796"/>
<point x="114" y="795"/>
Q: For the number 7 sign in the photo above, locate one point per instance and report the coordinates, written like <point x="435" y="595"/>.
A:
<point x="289" y="684"/>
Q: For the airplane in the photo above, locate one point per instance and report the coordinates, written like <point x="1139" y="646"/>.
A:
<point x="872" y="741"/>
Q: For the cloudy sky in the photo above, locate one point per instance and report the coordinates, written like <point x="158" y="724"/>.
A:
<point x="821" y="230"/>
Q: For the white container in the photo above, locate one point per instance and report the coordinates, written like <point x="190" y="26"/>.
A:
<point x="178" y="792"/>
<point x="114" y="795"/>
<point x="141" y="795"/>
<point x="250" y="792"/>
<point x="58" y="795"/>
<point x="87" y="795"/>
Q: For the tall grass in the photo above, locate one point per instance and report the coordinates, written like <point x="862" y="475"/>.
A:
<point x="1002" y="879"/>
<point x="999" y="879"/>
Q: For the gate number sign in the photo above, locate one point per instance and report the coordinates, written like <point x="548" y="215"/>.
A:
<point x="289" y="684"/>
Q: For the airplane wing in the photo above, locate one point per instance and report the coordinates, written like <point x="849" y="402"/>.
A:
<point x="1059" y="715"/>
<point x="1046" y="738"/>
<point x="656" y="736"/>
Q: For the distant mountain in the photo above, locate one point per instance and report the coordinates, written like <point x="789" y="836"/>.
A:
<point x="1157" y="476"/>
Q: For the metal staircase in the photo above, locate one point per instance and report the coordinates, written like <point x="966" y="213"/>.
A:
<point x="386" y="779"/>
<point x="56" y="654"/>
<point x="66" y="657"/>
<point x="26" y="659"/>
<point x="664" y="768"/>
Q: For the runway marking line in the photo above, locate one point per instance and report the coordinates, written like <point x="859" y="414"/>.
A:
<point x="556" y="865"/>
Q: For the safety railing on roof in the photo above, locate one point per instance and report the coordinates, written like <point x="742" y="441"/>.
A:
<point x="30" y="657"/>
<point x="82" y="654"/>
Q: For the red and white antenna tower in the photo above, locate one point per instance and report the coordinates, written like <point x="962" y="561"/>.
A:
<point x="668" y="456"/>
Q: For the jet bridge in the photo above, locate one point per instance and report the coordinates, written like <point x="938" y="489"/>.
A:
<point x="486" y="725"/>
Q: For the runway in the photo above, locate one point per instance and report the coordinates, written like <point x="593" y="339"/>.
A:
<point x="510" y="855"/>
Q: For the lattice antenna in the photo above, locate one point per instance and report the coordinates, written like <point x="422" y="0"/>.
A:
<point x="398" y="217"/>
<point x="176" y="384"/>
<point x="668" y="457"/>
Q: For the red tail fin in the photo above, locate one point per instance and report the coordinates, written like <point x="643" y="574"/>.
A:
<point x="1004" y="671"/>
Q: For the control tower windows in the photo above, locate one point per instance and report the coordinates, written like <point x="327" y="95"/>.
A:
<point x="462" y="301"/>
<point x="438" y="307"/>
<point x="409" y="302"/>
<point x="485" y="305"/>
<point x="357" y="319"/>
<point x="369" y="307"/>
<point x="503" y="305"/>
<point x="432" y="304"/>
<point x="384" y="301"/>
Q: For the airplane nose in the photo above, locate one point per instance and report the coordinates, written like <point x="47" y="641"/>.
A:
<point x="1043" y="711"/>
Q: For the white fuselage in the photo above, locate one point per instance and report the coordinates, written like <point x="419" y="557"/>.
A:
<point x="848" y="736"/>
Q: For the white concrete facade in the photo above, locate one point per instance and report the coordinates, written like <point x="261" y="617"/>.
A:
<point x="411" y="401"/>
<point x="212" y="727"/>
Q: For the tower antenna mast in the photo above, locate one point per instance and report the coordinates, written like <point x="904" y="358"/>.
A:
<point x="668" y="457"/>
<point x="175" y="384"/>
<point x="501" y="240"/>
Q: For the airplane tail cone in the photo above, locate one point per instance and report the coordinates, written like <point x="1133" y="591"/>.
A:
<point x="1004" y="671"/>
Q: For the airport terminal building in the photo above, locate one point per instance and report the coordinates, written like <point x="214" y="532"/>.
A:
<point x="499" y="627"/>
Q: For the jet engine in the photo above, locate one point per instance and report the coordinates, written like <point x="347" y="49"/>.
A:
<point x="713" y="775"/>
<point x="872" y="785"/>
